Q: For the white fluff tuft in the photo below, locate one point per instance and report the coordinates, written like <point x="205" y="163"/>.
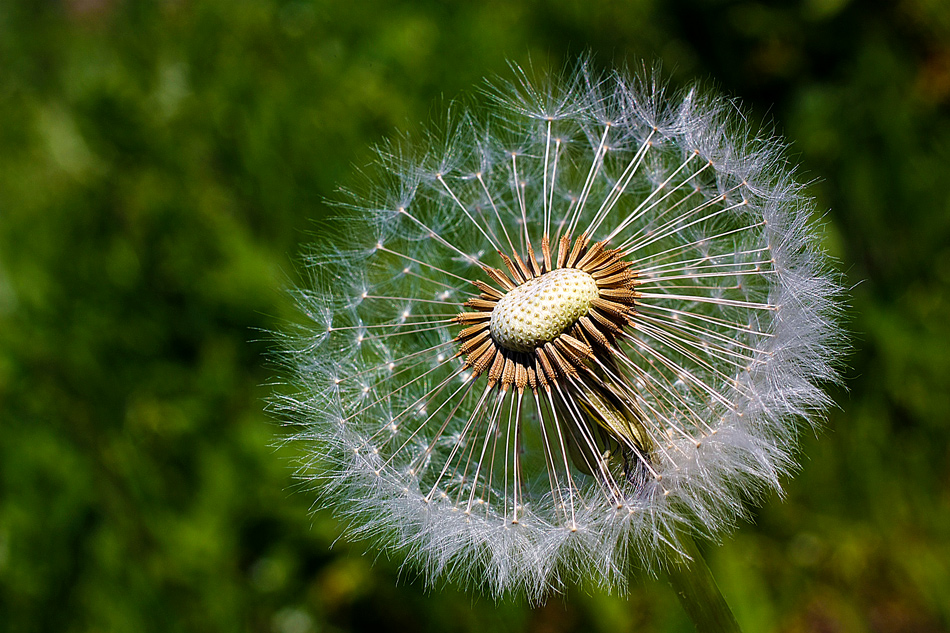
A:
<point x="736" y="332"/>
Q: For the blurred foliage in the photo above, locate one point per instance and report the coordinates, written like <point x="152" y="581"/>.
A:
<point x="161" y="163"/>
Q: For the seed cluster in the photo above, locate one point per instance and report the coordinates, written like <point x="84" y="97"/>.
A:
<point x="539" y="310"/>
<point x="592" y="401"/>
<point x="549" y="318"/>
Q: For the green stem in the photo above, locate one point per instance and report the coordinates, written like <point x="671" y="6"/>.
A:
<point x="697" y="590"/>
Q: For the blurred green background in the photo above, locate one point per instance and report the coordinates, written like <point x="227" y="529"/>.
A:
<point x="163" y="163"/>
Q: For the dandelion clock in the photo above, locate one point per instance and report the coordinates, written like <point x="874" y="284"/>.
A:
<point x="557" y="339"/>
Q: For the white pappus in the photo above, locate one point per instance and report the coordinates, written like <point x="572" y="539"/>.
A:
<point x="544" y="343"/>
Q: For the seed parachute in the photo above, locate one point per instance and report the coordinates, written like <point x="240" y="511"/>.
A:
<point x="544" y="343"/>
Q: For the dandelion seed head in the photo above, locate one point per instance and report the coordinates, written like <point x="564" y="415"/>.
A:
<point x="552" y="338"/>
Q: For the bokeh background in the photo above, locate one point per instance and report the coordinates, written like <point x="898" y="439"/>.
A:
<point x="162" y="164"/>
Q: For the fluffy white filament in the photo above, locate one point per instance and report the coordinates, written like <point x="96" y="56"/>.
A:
<point x="735" y="333"/>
